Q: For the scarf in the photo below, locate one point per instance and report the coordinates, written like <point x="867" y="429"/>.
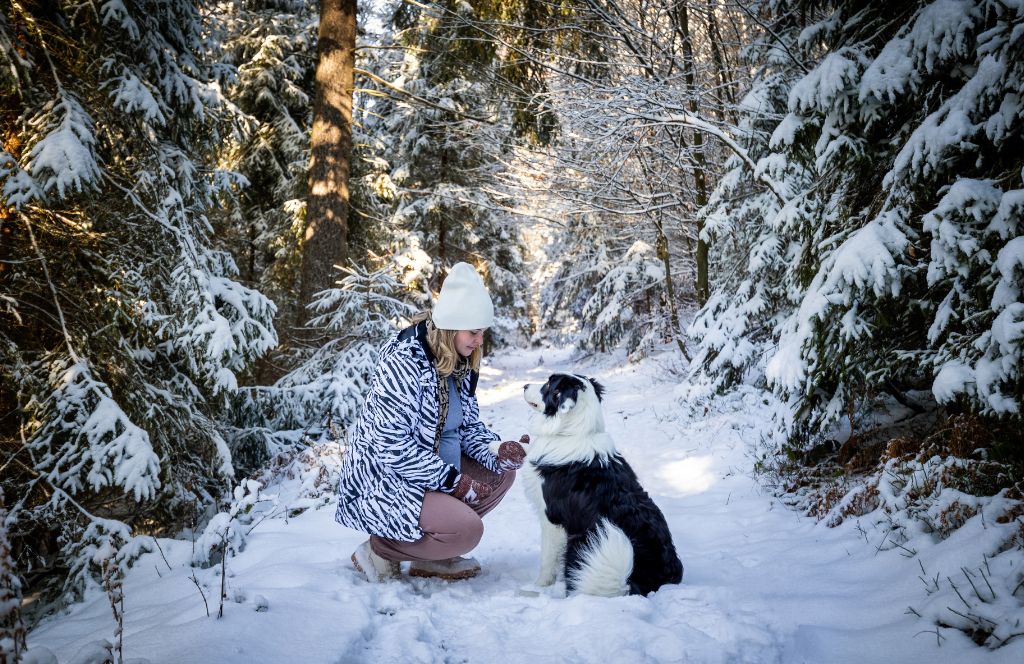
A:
<point x="459" y="374"/>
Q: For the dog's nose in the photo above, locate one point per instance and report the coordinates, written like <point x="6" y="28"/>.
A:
<point x="526" y="387"/>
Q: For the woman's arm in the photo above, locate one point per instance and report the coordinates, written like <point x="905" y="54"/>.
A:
<point x="475" y="435"/>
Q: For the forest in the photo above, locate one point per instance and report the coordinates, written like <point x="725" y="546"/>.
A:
<point x="214" y="213"/>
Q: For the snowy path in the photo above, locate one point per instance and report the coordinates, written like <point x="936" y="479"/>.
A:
<point x="762" y="583"/>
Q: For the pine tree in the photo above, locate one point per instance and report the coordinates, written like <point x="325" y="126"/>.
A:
<point x="899" y="240"/>
<point x="12" y="628"/>
<point x="271" y="47"/>
<point x="123" y="326"/>
<point x="321" y="397"/>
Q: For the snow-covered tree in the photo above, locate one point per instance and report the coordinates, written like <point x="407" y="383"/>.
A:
<point x="433" y="132"/>
<point x="123" y="325"/>
<point x="895" y="261"/>
<point x="322" y="396"/>
<point x="12" y="628"/>
<point x="271" y="49"/>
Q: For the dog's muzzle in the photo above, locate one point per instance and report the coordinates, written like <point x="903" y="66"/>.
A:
<point x="532" y="395"/>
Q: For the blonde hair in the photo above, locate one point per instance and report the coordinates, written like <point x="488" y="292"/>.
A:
<point x="442" y="345"/>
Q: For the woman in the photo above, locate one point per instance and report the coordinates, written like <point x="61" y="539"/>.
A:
<point x="419" y="473"/>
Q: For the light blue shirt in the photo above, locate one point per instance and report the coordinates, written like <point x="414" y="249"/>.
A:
<point x="451" y="442"/>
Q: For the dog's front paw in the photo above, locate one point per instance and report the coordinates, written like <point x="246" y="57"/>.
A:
<point x="545" y="579"/>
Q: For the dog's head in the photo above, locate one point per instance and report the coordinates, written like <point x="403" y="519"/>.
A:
<point x="561" y="393"/>
<point x="570" y="404"/>
<point x="570" y="427"/>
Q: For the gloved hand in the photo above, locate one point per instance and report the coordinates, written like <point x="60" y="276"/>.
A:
<point x="469" y="490"/>
<point x="511" y="454"/>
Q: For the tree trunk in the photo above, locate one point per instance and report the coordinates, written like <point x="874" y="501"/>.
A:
<point x="670" y="291"/>
<point x="726" y="98"/>
<point x="325" y="242"/>
<point x="681" y="19"/>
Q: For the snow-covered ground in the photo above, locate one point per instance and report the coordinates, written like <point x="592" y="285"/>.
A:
<point x="762" y="583"/>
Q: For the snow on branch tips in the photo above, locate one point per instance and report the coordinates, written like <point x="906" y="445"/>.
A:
<point x="89" y="442"/>
<point x="62" y="158"/>
<point x="865" y="262"/>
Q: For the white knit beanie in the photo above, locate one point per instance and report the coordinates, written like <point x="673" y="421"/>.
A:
<point x="463" y="303"/>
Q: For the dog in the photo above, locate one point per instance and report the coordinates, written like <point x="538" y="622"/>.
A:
<point x="597" y="520"/>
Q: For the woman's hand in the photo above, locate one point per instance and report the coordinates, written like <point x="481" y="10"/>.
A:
<point x="511" y="454"/>
<point x="469" y="490"/>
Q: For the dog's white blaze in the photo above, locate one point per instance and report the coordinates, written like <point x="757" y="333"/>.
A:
<point x="534" y="398"/>
<point x="607" y="563"/>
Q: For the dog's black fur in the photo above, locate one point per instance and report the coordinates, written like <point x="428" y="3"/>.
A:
<point x="580" y="495"/>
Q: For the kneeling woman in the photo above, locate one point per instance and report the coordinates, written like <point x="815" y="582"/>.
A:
<point x="419" y="473"/>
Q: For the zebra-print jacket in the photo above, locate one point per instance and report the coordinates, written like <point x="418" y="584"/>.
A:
<point x="390" y="461"/>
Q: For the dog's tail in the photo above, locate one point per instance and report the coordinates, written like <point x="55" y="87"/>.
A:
<point x="605" y="564"/>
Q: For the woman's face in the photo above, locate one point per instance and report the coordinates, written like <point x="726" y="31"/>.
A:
<point x="467" y="341"/>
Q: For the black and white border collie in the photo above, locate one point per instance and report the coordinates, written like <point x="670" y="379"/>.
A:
<point x="614" y="538"/>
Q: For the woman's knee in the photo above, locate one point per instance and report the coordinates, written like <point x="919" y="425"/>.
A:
<point x="451" y="520"/>
<point x="471" y="531"/>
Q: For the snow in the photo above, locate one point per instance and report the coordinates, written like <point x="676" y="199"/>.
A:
<point x="952" y="378"/>
<point x="762" y="583"/>
<point x="941" y="31"/>
<point x="63" y="158"/>
<point x="865" y="260"/>
<point x="117" y="451"/>
<point x="829" y="84"/>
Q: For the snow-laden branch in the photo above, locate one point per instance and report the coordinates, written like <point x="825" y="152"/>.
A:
<point x="689" y="120"/>
<point x="409" y="96"/>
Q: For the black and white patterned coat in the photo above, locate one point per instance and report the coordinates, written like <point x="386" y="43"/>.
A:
<point x="390" y="461"/>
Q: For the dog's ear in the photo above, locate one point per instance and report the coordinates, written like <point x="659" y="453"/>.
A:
<point x="598" y="388"/>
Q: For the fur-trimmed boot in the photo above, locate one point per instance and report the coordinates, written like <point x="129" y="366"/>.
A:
<point x="373" y="567"/>
<point x="450" y="569"/>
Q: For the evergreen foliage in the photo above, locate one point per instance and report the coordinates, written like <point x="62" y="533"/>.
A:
<point x="895" y="263"/>
<point x="269" y="48"/>
<point x="12" y="628"/>
<point x="123" y="325"/>
<point x="321" y="396"/>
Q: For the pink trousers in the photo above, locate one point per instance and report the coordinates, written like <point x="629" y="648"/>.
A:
<point x="450" y="526"/>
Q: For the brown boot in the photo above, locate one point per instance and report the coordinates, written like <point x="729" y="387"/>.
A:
<point x="450" y="569"/>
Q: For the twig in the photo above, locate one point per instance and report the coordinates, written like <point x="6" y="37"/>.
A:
<point x="977" y="620"/>
<point x="422" y="100"/>
<point x="986" y="579"/>
<point x="223" y="569"/>
<point x="268" y="515"/>
<point x="957" y="591"/>
<point x="160" y="549"/>
<point x="910" y="553"/>
<point x="1017" y="587"/>
<point x="967" y="575"/>
<point x="200" y="588"/>
<point x="938" y="636"/>
<point x="53" y="289"/>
